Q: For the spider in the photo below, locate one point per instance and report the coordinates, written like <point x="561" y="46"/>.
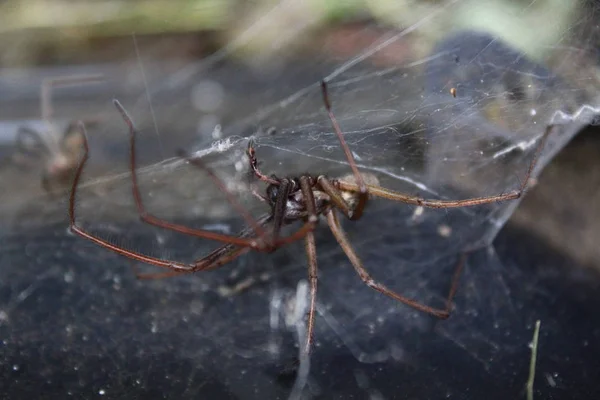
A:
<point x="61" y="152"/>
<point x="292" y="199"/>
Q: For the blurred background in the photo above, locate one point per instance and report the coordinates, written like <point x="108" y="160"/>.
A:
<point x="439" y="98"/>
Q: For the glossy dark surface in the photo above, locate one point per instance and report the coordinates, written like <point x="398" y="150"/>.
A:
<point x="75" y="322"/>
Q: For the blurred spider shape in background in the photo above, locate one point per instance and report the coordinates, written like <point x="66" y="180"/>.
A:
<point x="291" y="199"/>
<point x="59" y="152"/>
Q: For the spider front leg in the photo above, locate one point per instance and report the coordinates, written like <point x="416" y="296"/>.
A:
<point x="432" y="203"/>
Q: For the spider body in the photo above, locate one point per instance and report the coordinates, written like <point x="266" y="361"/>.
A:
<point x="293" y="199"/>
<point x="58" y="151"/>
<point x="63" y="161"/>
<point x="295" y="204"/>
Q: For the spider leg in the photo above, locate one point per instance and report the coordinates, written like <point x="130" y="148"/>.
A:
<point x="335" y="196"/>
<point x="408" y="199"/>
<point x="218" y="257"/>
<point x="311" y="254"/>
<point x="153" y="275"/>
<point x="159" y="262"/>
<point x="151" y="219"/>
<point x="251" y="153"/>
<point x="341" y="238"/>
<point x="203" y="264"/>
<point x="279" y="208"/>
<point x="362" y="188"/>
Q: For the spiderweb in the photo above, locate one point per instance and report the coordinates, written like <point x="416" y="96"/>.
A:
<point x="440" y="105"/>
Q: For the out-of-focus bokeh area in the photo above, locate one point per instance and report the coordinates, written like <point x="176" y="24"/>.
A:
<point x="444" y="99"/>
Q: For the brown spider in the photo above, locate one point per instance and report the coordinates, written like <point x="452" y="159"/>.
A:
<point x="60" y="151"/>
<point x="303" y="199"/>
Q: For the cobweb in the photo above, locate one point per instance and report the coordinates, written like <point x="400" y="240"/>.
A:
<point x="432" y="105"/>
<point x="432" y="109"/>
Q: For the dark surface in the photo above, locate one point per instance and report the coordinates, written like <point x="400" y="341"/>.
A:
<point x="78" y="323"/>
